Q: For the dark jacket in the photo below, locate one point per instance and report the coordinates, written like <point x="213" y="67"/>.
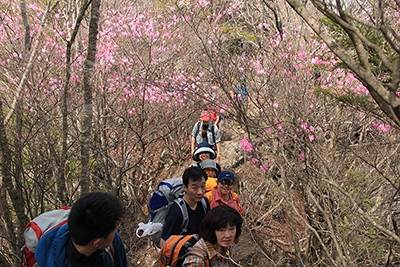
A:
<point x="50" y="250"/>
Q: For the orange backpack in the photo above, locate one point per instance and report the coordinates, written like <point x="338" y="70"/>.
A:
<point x="177" y="247"/>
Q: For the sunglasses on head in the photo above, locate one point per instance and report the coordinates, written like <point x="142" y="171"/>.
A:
<point x="226" y="182"/>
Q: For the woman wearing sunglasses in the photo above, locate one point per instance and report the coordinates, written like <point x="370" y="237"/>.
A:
<point x="223" y="195"/>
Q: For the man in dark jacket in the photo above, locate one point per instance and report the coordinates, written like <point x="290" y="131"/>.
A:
<point x="89" y="238"/>
<point x="194" y="184"/>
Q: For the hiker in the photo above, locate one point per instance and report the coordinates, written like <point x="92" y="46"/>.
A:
<point x="210" y="167"/>
<point x="220" y="228"/>
<point x="204" y="151"/>
<point x="223" y="195"/>
<point x="206" y="131"/>
<point x="85" y="240"/>
<point x="241" y="91"/>
<point x="194" y="184"/>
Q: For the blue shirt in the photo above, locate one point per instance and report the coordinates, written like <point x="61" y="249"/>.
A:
<point x="242" y="92"/>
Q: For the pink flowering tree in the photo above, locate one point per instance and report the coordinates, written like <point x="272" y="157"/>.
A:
<point x="366" y="39"/>
<point x="297" y="138"/>
<point x="322" y="172"/>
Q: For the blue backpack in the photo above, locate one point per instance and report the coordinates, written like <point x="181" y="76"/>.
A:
<point x="168" y="192"/>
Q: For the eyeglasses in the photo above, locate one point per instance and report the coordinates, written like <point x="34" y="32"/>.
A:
<point x="209" y="170"/>
<point x="226" y="182"/>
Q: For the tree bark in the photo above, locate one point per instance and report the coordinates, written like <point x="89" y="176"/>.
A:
<point x="6" y="173"/>
<point x="88" y="99"/>
<point x="61" y="189"/>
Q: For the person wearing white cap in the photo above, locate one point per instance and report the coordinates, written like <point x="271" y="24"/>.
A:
<point x="204" y="152"/>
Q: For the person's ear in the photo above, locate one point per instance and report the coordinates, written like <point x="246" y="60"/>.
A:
<point x="184" y="188"/>
<point x="96" y="242"/>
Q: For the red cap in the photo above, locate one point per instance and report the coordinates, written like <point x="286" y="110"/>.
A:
<point x="205" y="116"/>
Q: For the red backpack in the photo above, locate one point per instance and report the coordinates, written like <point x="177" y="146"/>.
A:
<point x="213" y="115"/>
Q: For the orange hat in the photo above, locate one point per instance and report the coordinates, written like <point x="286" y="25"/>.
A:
<point x="205" y="116"/>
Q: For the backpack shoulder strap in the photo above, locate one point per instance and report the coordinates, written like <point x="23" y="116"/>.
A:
<point x="212" y="131"/>
<point x="235" y="196"/>
<point x="204" y="203"/>
<point x="197" y="127"/>
<point x="201" y="253"/>
<point x="185" y="214"/>
<point x="110" y="251"/>
<point x="209" y="195"/>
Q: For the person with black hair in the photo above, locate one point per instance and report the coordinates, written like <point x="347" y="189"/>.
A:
<point x="220" y="228"/>
<point x="194" y="184"/>
<point x="89" y="238"/>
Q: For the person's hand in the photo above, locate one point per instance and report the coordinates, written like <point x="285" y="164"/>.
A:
<point x="193" y="151"/>
<point x="218" y="159"/>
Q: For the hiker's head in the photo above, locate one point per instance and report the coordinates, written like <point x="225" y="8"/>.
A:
<point x="209" y="166"/>
<point x="95" y="216"/>
<point x="193" y="174"/>
<point x="205" y="117"/>
<point x="194" y="184"/>
<point x="222" y="225"/>
<point x="204" y="151"/>
<point x="225" y="182"/>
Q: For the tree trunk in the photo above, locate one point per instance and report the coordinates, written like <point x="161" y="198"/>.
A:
<point x="6" y="173"/>
<point x="88" y="100"/>
<point x="61" y="189"/>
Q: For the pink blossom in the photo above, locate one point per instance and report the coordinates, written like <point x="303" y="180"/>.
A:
<point x="311" y="137"/>
<point x="275" y="105"/>
<point x="302" y="156"/>
<point x="246" y="146"/>
<point x="279" y="127"/>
